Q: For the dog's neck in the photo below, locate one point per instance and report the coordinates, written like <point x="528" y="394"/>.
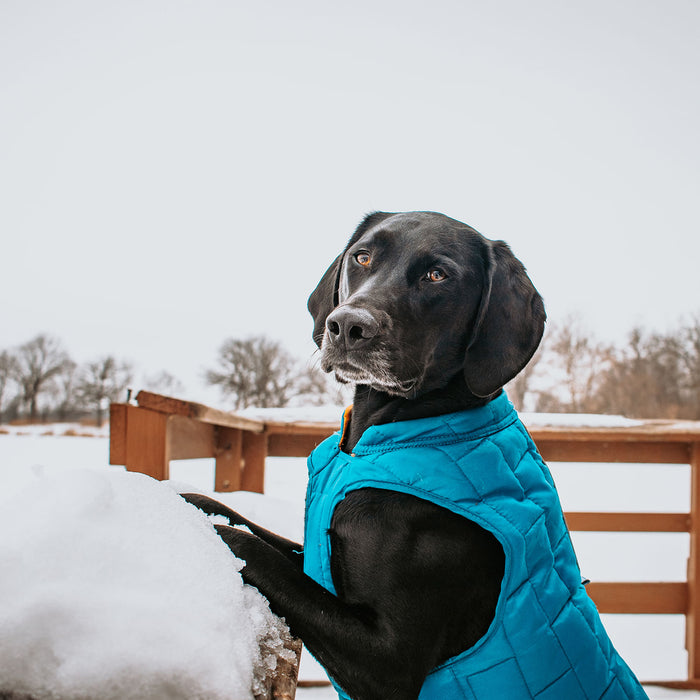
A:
<point x="372" y="407"/>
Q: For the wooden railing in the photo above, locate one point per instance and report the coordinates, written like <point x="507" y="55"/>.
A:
<point x="145" y="437"/>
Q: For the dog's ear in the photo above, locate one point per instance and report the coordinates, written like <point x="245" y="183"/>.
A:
<point x="325" y="297"/>
<point x="509" y="323"/>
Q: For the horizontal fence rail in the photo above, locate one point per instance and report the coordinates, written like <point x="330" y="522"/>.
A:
<point x="146" y="436"/>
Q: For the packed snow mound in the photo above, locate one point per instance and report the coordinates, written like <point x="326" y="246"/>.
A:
<point x="113" y="587"/>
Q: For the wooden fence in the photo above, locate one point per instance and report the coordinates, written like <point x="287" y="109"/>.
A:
<point x="145" y="437"/>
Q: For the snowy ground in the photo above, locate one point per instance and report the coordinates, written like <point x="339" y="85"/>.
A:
<point x="652" y="645"/>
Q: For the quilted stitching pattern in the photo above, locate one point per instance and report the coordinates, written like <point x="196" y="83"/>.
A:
<point x="547" y="640"/>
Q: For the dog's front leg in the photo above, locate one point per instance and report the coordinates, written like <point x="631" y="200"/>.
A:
<point x="347" y="639"/>
<point x="291" y="550"/>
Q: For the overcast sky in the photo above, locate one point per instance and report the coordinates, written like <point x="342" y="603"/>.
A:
<point x="175" y="173"/>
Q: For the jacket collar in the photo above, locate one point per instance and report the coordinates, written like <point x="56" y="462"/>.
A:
<point x="449" y="427"/>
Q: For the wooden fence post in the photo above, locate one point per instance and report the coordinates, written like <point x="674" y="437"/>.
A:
<point x="692" y="624"/>
<point x="138" y="440"/>
<point x="254" y="453"/>
<point x="227" y="476"/>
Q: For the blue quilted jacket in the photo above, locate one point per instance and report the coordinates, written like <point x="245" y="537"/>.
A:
<point x="546" y="640"/>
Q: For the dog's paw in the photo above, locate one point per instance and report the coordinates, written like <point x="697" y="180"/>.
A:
<point x="238" y="540"/>
<point x="212" y="507"/>
<point x="204" y="503"/>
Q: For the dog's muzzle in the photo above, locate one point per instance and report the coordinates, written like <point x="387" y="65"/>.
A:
<point x="356" y="348"/>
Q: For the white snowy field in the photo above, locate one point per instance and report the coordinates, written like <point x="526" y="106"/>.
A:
<point x="652" y="645"/>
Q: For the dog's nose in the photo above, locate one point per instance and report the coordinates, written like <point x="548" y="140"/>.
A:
<point x="353" y="327"/>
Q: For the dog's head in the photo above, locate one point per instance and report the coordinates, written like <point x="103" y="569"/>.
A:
<point x="416" y="298"/>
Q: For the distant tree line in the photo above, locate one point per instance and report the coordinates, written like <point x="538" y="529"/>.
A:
<point x="39" y="381"/>
<point x="650" y="375"/>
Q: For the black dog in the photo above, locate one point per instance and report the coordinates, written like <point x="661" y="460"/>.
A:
<point x="437" y="561"/>
<point x="426" y="317"/>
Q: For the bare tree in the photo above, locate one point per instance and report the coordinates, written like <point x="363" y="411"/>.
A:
<point x="163" y="383"/>
<point x="581" y="359"/>
<point x="37" y="363"/>
<point x="64" y="391"/>
<point x="101" y="382"/>
<point x="7" y="363"/>
<point x="690" y="358"/>
<point x="260" y="372"/>
<point x="654" y="376"/>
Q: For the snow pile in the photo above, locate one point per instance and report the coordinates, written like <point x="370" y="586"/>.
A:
<point x="114" y="587"/>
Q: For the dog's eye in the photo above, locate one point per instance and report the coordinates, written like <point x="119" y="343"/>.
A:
<point x="436" y="275"/>
<point x="363" y="259"/>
